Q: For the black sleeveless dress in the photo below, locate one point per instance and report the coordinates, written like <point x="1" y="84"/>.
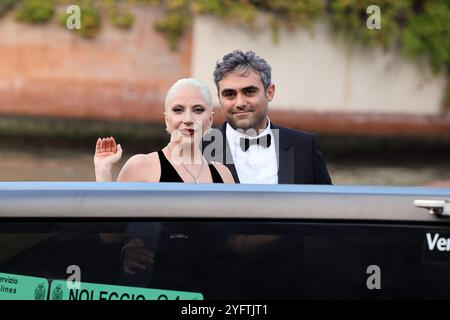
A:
<point x="169" y="174"/>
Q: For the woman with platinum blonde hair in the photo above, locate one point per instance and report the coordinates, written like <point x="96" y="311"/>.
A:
<point x="188" y="115"/>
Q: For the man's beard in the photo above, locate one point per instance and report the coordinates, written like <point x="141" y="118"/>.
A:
<point x="252" y="122"/>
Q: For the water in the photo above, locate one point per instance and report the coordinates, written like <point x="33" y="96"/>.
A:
<point x="389" y="174"/>
<point x="74" y="165"/>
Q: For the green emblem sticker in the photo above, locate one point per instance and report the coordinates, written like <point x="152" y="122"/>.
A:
<point x="94" y="291"/>
<point x="18" y="287"/>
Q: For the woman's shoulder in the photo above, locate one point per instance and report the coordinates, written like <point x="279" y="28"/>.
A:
<point x="141" y="167"/>
<point x="139" y="159"/>
<point x="224" y="172"/>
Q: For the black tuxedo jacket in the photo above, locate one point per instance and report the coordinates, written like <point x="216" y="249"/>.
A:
<point x="299" y="158"/>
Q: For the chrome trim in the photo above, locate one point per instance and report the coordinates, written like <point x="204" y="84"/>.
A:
<point x="157" y="200"/>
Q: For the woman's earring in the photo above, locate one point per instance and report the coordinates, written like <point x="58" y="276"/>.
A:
<point x="168" y="132"/>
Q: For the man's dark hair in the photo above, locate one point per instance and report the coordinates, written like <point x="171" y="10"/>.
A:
<point x="245" y="62"/>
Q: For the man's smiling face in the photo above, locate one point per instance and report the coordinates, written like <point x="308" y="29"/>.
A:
<point x="244" y="100"/>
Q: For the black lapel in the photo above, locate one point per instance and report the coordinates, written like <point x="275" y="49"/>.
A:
<point x="220" y="151"/>
<point x="285" y="155"/>
<point x="228" y="160"/>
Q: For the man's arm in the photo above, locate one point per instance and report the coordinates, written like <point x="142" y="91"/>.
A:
<point x="321" y="175"/>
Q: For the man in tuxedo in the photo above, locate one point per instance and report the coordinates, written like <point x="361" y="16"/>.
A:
<point x="248" y="143"/>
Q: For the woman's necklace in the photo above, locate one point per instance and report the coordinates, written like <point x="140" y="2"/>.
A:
<point x="198" y="174"/>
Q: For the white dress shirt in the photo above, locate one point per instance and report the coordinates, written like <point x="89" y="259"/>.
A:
<point x="259" y="163"/>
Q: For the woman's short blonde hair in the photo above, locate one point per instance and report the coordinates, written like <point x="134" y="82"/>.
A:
<point x="203" y="88"/>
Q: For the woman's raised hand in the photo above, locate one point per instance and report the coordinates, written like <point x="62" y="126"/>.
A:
<point x="107" y="153"/>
